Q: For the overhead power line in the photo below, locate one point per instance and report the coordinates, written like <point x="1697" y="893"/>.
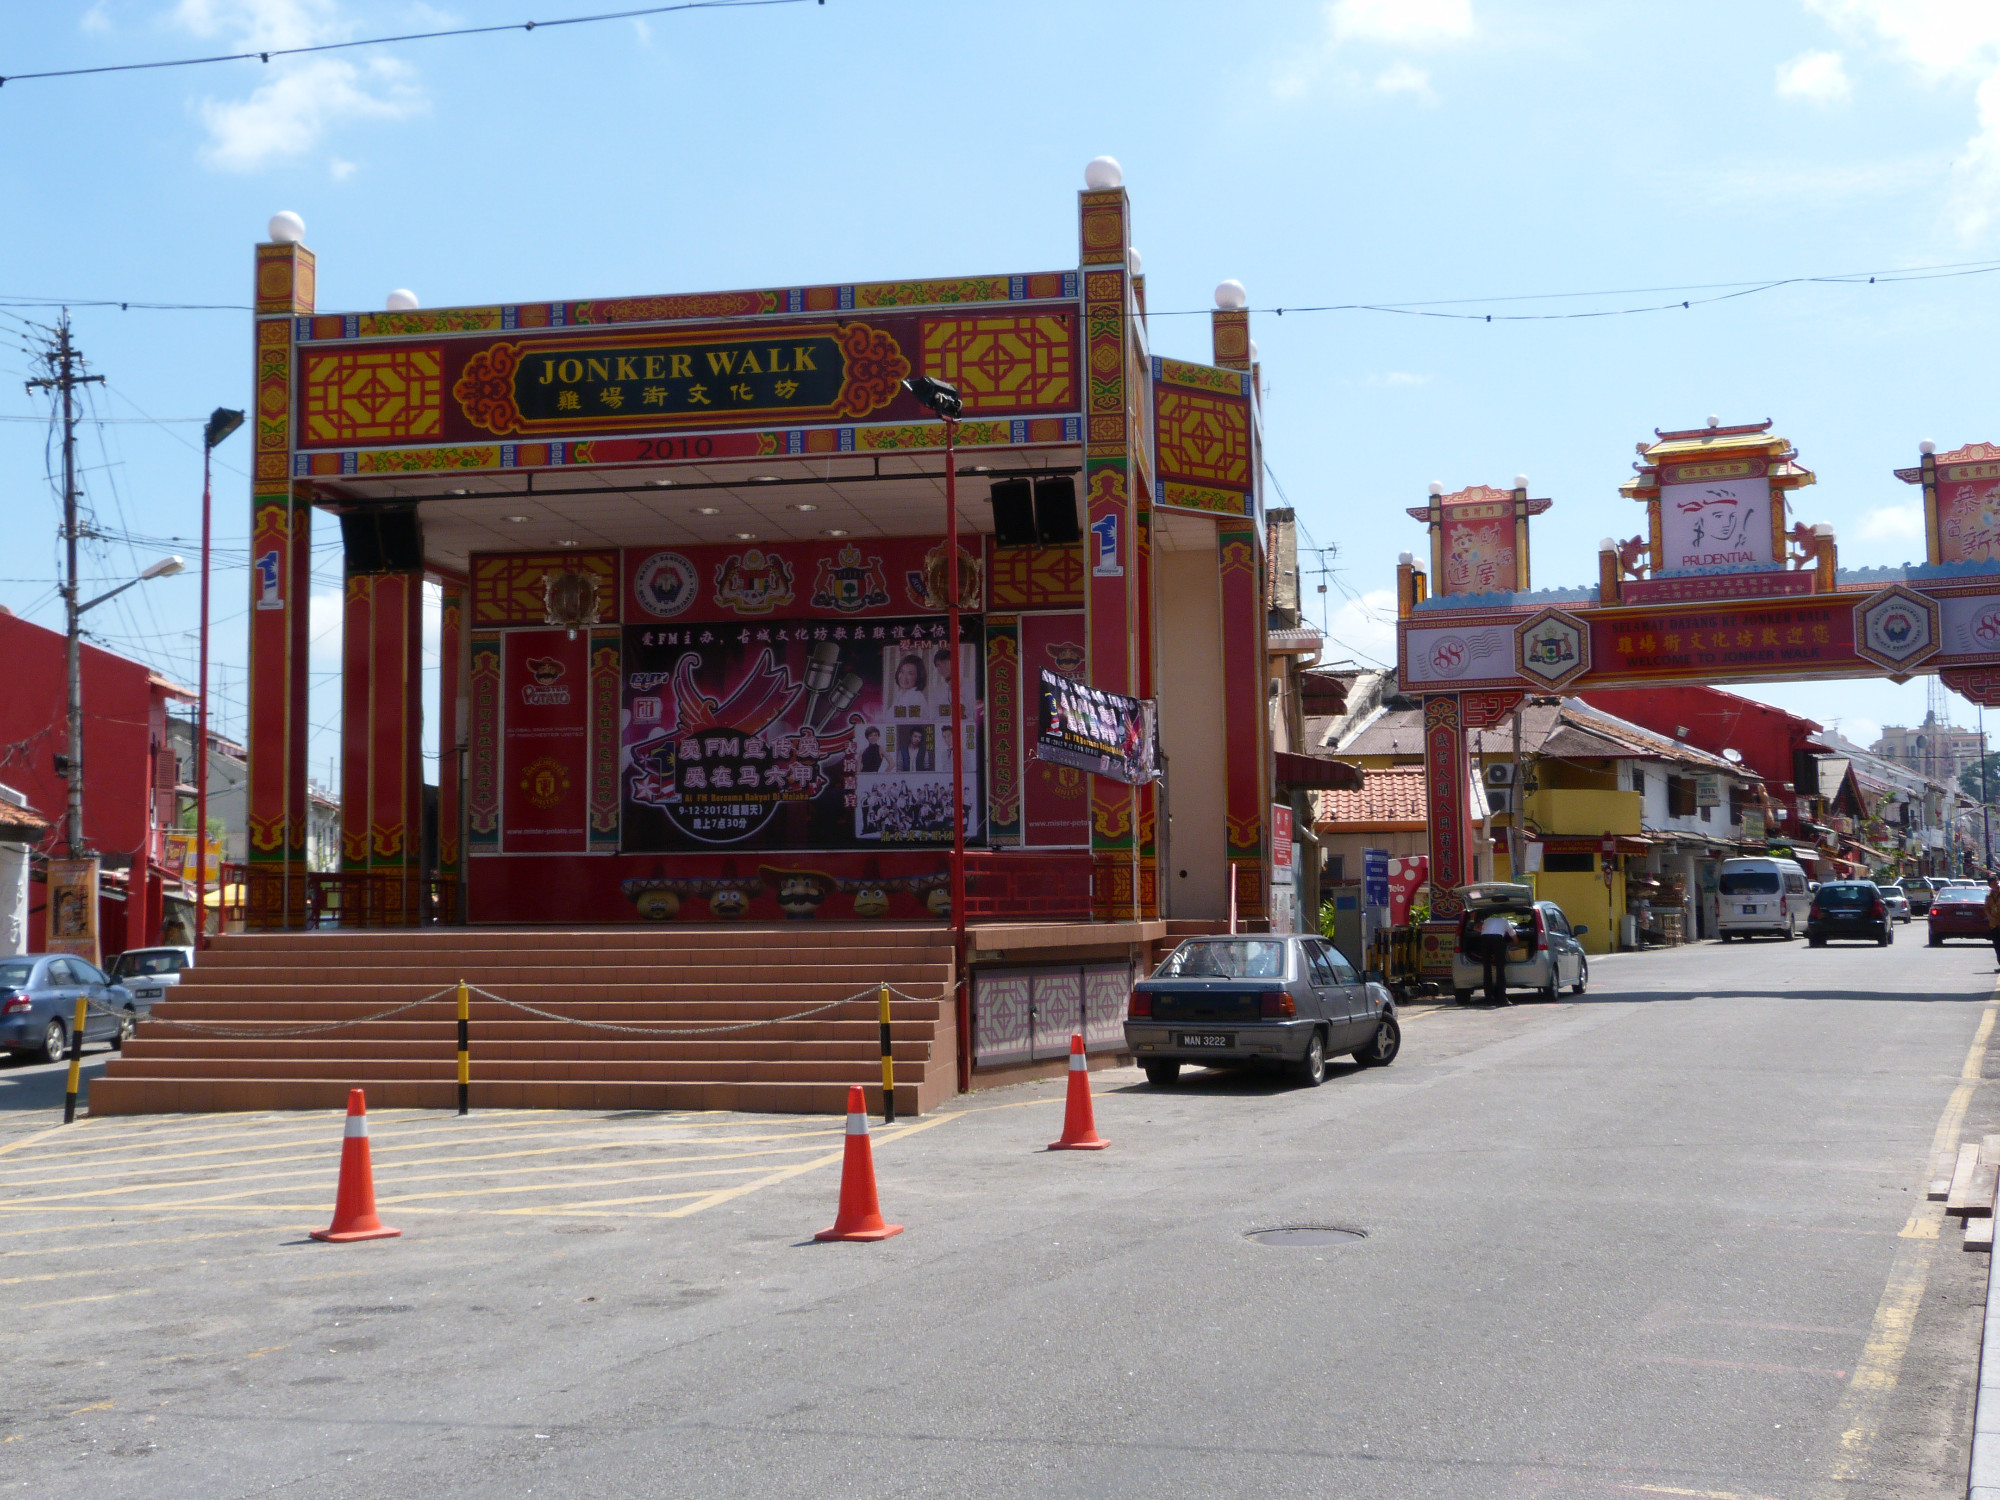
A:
<point x="1722" y="291"/>
<point x="266" y="54"/>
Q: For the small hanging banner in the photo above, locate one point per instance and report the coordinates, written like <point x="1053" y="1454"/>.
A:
<point x="1106" y="734"/>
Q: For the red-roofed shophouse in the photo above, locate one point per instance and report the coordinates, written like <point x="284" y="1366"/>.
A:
<point x="129" y="773"/>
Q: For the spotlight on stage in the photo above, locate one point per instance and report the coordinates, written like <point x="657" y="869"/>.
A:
<point x="940" y="396"/>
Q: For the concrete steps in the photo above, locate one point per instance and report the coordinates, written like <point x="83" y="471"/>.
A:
<point x="656" y="979"/>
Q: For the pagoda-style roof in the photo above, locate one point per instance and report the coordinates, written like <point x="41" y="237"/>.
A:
<point x="1474" y="494"/>
<point x="1971" y="453"/>
<point x="1754" y="440"/>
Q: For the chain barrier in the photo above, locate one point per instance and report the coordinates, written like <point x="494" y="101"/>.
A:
<point x="279" y="1030"/>
<point x="274" y="1030"/>
<point x="549" y="1015"/>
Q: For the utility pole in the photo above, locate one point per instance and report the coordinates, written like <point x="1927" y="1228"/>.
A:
<point x="65" y="360"/>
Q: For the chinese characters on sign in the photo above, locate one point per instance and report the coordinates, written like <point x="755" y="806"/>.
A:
<point x="1700" y="642"/>
<point x="1107" y="734"/>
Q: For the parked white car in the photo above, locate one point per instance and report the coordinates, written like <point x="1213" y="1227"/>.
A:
<point x="149" y="972"/>
<point x="1897" y="902"/>
<point x="1761" y="894"/>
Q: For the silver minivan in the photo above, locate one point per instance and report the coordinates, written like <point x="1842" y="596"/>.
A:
<point x="1761" y="894"/>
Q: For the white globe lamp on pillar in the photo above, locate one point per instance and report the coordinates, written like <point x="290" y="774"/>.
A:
<point x="286" y="228"/>
<point x="402" y="300"/>
<point x="1230" y="296"/>
<point x="1102" y="173"/>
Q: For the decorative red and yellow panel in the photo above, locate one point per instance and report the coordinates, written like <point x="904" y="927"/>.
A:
<point x="1202" y="448"/>
<point x="373" y="395"/>
<point x="1024" y="362"/>
<point x="1036" y="577"/>
<point x="507" y="588"/>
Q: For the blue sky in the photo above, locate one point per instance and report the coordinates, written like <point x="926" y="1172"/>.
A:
<point x="1457" y="152"/>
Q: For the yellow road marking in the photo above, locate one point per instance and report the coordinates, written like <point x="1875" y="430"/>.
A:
<point x="100" y="1406"/>
<point x="398" y="1141"/>
<point x="101" y="1297"/>
<point x="48" y="1276"/>
<point x="393" y="1171"/>
<point x="1880" y="1366"/>
<point x="29" y="1140"/>
<point x="785" y="1174"/>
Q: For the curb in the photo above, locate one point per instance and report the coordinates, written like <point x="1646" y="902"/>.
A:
<point x="1983" y="1483"/>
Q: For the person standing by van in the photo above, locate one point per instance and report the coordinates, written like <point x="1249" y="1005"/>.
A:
<point x="1495" y="933"/>
<point x="1993" y="913"/>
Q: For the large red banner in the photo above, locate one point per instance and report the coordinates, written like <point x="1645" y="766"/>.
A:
<point x="545" y="776"/>
<point x="1056" y="798"/>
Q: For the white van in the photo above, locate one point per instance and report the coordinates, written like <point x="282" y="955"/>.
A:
<point x="1761" y="895"/>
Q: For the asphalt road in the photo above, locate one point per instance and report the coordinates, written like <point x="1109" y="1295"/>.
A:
<point x="1668" y="1240"/>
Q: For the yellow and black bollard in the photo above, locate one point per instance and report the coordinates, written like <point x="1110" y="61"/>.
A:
<point x="76" y="1059"/>
<point x="464" y="1047"/>
<point x="888" y="1066"/>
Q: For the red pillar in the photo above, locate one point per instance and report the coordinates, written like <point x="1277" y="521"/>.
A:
<point x="1447" y="790"/>
<point x="451" y="725"/>
<point x="280" y="574"/>
<point x="395" y="744"/>
<point x="356" y="658"/>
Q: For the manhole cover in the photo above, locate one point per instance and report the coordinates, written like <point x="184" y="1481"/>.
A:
<point x="1306" y="1234"/>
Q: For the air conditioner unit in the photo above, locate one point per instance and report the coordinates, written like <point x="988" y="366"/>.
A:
<point x="1500" y="773"/>
<point x="1500" y="799"/>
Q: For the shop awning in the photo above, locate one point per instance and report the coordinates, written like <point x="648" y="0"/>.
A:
<point x="1316" y="773"/>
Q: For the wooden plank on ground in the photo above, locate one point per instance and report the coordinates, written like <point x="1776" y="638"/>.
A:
<point x="1979" y="1233"/>
<point x="1958" y="1199"/>
<point x="1979" y="1201"/>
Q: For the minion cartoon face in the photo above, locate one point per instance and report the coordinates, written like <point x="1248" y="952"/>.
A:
<point x="728" y="904"/>
<point x="939" y="902"/>
<point x="871" y="901"/>
<point x="658" y="906"/>
<point x="799" y="897"/>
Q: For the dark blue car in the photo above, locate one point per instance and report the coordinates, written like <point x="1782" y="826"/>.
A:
<point x="38" y="993"/>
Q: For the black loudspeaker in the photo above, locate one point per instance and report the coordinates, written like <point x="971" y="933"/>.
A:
<point x="1055" y="511"/>
<point x="382" y="541"/>
<point x="1013" y="513"/>
<point x="402" y="541"/>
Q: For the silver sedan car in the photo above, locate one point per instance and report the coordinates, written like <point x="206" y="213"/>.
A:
<point x="1277" y="1000"/>
<point x="1897" y="902"/>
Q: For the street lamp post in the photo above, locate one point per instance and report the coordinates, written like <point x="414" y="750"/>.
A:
<point x="943" y="399"/>
<point x="166" y="567"/>
<point x="221" y="422"/>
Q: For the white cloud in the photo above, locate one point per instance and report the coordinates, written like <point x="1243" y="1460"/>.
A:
<point x="1816" y="77"/>
<point x="1408" y="22"/>
<point x="1949" y="41"/>
<point x="301" y="100"/>
<point x="95" y="20"/>
<point x="1402" y="24"/>
<point x="340" y="170"/>
<point x="1405" y="78"/>
<point x="1892" y="523"/>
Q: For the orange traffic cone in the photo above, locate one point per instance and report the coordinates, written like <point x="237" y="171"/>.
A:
<point x="354" y="1201"/>
<point x="1079" y="1124"/>
<point x="860" y="1216"/>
